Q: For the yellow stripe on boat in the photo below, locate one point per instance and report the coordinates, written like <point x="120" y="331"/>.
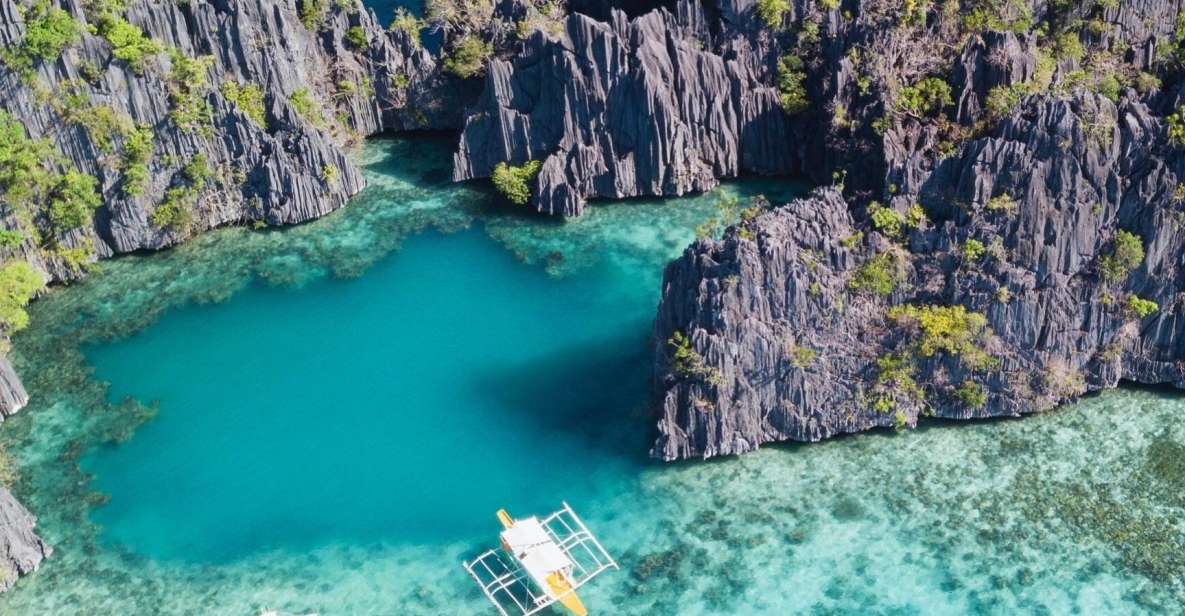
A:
<point x="505" y="518"/>
<point x="562" y="589"/>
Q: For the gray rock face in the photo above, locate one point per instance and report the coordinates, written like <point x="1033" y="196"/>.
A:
<point x="625" y="108"/>
<point x="1078" y="170"/>
<point x="274" y="173"/>
<point x="12" y="392"/>
<point x="21" y="550"/>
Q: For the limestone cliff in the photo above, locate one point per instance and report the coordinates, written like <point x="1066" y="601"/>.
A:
<point x="21" y="550"/>
<point x="623" y="108"/>
<point x="1013" y="295"/>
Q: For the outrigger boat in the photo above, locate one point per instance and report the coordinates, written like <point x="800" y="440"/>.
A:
<point x="542" y="562"/>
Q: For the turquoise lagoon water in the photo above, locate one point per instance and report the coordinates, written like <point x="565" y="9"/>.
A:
<point x="323" y="419"/>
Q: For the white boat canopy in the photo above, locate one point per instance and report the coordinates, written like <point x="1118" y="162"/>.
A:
<point x="542" y="561"/>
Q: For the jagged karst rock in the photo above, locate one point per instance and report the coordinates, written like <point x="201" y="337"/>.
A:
<point x="274" y="173"/>
<point x="625" y="108"/>
<point x="12" y="392"/>
<point x="1075" y="170"/>
<point x="21" y="550"/>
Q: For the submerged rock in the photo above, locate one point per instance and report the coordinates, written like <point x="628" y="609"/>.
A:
<point x="21" y="550"/>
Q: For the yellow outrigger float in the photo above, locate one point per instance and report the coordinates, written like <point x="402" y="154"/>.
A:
<point x="542" y="562"/>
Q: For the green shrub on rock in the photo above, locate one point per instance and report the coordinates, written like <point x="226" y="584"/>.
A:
<point x="971" y="394"/>
<point x="792" y="92"/>
<point x="950" y="329"/>
<point x="72" y="202"/>
<point x="49" y="30"/>
<point x="514" y="183"/>
<point x="772" y="11"/>
<point x="468" y="56"/>
<point x="924" y="97"/>
<point x="888" y="221"/>
<point x="306" y="105"/>
<point x="1176" y="126"/>
<point x="19" y="282"/>
<point x="356" y="38"/>
<point x="879" y="275"/>
<point x="408" y="23"/>
<point x="686" y="362"/>
<point x="973" y="249"/>
<point x="248" y="98"/>
<point x="128" y="42"/>
<point x="1141" y="307"/>
<point x="137" y="151"/>
<point x="312" y="13"/>
<point x="1126" y="255"/>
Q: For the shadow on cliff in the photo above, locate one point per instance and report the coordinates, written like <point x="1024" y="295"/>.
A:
<point x="596" y="392"/>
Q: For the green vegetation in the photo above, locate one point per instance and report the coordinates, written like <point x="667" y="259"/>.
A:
<point x="1146" y="82"/>
<point x="128" y="42"/>
<point x="1003" y="295"/>
<point x="188" y="86"/>
<point x="950" y="329"/>
<point x="19" y="282"/>
<point x="49" y="30"/>
<point x="852" y="240"/>
<point x="686" y="362"/>
<point x="888" y="221"/>
<point x="1140" y="306"/>
<point x="102" y="123"/>
<point x="312" y="13"/>
<point x="973" y="250"/>
<point x="174" y="211"/>
<point x="72" y="201"/>
<point x="1176" y="126"/>
<point x="306" y="105"/>
<point x="915" y="216"/>
<point x="468" y="56"/>
<point x="248" y="98"/>
<point x="514" y="183"/>
<point x="30" y="185"/>
<point x="772" y="11"/>
<point x="1001" y="15"/>
<point x="1002" y="203"/>
<point x="895" y="375"/>
<point x="408" y="23"/>
<point x="11" y="238"/>
<point x="137" y="151"/>
<point x="879" y="275"/>
<point x="791" y="74"/>
<point x="1126" y="255"/>
<point x="924" y="97"/>
<point x="546" y="16"/>
<point x="356" y="38"/>
<point x="197" y="171"/>
<point x="329" y="174"/>
<point x="801" y="357"/>
<point x="971" y="394"/>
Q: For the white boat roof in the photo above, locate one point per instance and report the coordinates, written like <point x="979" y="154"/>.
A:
<point x="534" y="548"/>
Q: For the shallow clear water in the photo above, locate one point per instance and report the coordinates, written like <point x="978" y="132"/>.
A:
<point x="335" y="410"/>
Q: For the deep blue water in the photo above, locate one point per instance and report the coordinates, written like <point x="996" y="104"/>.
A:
<point x="406" y="405"/>
<point x="385" y="9"/>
